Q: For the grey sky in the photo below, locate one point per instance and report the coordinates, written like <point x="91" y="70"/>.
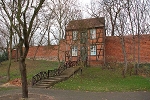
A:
<point x="84" y="3"/>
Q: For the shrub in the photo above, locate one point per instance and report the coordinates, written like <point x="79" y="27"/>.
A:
<point x="4" y="57"/>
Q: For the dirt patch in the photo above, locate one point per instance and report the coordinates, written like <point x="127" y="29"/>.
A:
<point x="15" y="82"/>
<point x="31" y="97"/>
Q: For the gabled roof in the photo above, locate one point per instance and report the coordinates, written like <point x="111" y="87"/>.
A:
<point x="86" y="23"/>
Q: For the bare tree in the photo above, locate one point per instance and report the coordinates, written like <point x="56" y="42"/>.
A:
<point x="112" y="7"/>
<point x="46" y="21"/>
<point x="137" y="12"/>
<point x="137" y="19"/>
<point x="121" y="31"/>
<point x="140" y="23"/>
<point x="64" y="11"/>
<point x="22" y="24"/>
<point x="7" y="33"/>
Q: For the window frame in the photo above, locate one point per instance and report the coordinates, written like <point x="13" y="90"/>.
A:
<point x="93" y="50"/>
<point x="74" y="51"/>
<point x="74" y="35"/>
<point x="93" y="33"/>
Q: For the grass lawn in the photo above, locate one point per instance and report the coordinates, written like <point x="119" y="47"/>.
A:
<point x="92" y="78"/>
<point x="33" y="67"/>
<point x="96" y="79"/>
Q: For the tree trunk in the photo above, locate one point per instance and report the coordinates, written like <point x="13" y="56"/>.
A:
<point x="58" y="51"/>
<point x="22" y="66"/>
<point x="23" y="72"/>
<point x="36" y="52"/>
<point x="138" y="55"/>
<point x="125" y="56"/>
<point x="48" y="41"/>
<point x="112" y="31"/>
<point x="16" y="56"/>
<point x="8" y="70"/>
<point x="10" y="54"/>
<point x="138" y="64"/>
<point x="134" y="49"/>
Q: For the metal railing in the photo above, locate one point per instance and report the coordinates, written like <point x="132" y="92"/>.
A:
<point x="52" y="73"/>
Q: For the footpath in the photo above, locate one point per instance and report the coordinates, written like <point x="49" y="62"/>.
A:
<point x="52" y="94"/>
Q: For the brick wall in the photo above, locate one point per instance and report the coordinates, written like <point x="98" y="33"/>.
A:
<point x="14" y="53"/>
<point x="43" y="52"/>
<point x="114" y="49"/>
<point x="47" y="52"/>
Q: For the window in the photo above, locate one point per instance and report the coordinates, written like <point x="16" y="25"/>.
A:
<point x="93" y="33"/>
<point x="74" y="51"/>
<point x="74" y="35"/>
<point x="93" y="50"/>
<point x="83" y="37"/>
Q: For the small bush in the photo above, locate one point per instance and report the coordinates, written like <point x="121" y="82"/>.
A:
<point x="3" y="57"/>
<point x="144" y="69"/>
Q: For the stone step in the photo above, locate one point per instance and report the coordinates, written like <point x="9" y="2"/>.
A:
<point x="46" y="83"/>
<point x="55" y="78"/>
<point x="40" y="86"/>
<point x="49" y="82"/>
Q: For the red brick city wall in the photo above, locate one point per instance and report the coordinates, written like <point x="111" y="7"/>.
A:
<point x="43" y="52"/>
<point x="47" y="52"/>
<point x="114" y="51"/>
<point x="13" y="54"/>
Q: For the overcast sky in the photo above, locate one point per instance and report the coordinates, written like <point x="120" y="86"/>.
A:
<point x="84" y="3"/>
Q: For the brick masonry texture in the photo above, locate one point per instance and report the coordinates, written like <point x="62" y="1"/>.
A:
<point x="113" y="50"/>
<point x="47" y="52"/>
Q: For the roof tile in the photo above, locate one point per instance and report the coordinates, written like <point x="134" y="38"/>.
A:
<point x="86" y="23"/>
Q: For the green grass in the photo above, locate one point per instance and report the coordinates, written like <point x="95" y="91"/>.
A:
<point x="92" y="78"/>
<point x="96" y="79"/>
<point x="33" y="67"/>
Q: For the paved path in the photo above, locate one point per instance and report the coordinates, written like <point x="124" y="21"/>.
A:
<point x="80" y="95"/>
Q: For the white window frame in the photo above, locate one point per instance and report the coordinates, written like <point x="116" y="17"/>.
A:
<point x="74" y="51"/>
<point x="74" y="35"/>
<point x="93" y="50"/>
<point x="93" y="33"/>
